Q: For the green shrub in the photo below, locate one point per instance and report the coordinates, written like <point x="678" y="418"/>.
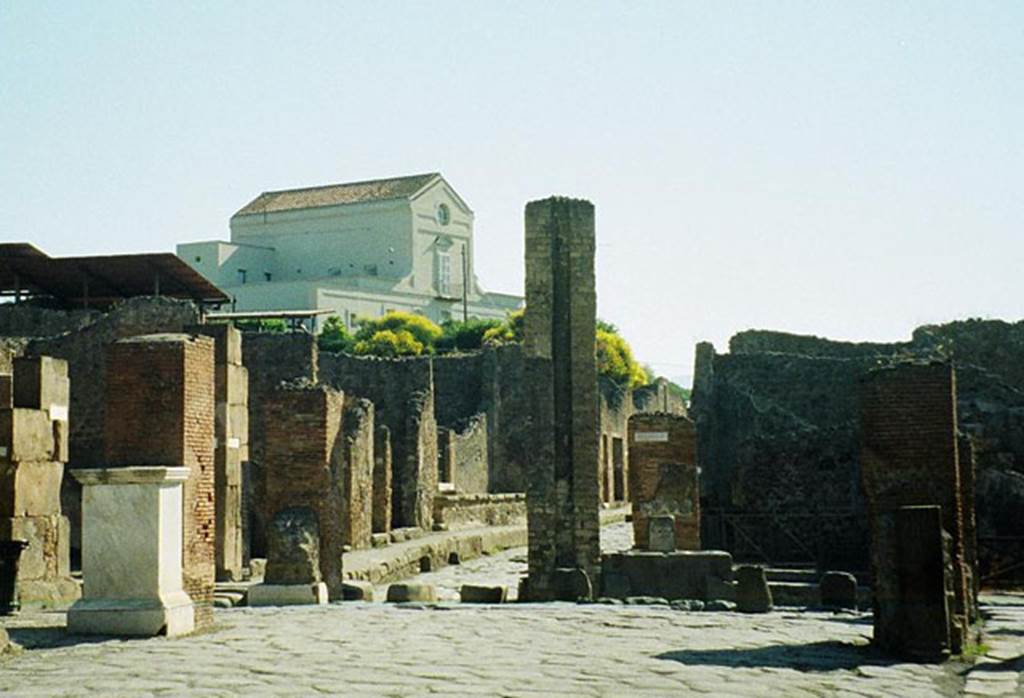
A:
<point x="615" y="361"/>
<point x="464" y="336"/>
<point x="268" y="325"/>
<point x="507" y="332"/>
<point x="334" y="336"/>
<point x="422" y="330"/>
<point x="389" y="343"/>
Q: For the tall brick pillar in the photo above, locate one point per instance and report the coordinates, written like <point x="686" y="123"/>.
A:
<point x="160" y="411"/>
<point x="909" y="458"/>
<point x="231" y="433"/>
<point x="563" y="487"/>
<point x="304" y="465"/>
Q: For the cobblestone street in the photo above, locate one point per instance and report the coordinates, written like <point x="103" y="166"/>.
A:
<point x="381" y="649"/>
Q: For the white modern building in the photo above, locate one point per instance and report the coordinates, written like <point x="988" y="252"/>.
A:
<point x="359" y="249"/>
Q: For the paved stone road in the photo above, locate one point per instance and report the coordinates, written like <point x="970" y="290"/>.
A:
<point x="378" y="649"/>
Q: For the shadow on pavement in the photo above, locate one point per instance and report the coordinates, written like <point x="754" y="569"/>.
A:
<point x="814" y="656"/>
<point x="50" y="638"/>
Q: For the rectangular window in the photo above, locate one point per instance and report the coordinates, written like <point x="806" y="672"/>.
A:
<point x="241" y="276"/>
<point x="444" y="274"/>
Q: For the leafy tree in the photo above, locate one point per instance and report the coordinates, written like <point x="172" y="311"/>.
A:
<point x="389" y="343"/>
<point x="464" y="336"/>
<point x="334" y="336"/>
<point x="423" y="331"/>
<point x="615" y="361"/>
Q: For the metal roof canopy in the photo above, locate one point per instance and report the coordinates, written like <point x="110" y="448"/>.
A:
<point x="100" y="281"/>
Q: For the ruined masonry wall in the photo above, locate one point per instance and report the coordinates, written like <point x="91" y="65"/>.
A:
<point x="160" y="411"/>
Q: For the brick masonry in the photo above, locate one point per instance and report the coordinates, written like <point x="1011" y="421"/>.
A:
<point x="160" y="411"/>
<point x="664" y="477"/>
<point x="563" y="496"/>
<point x="357" y="473"/>
<point x="231" y="433"/>
<point x="304" y="455"/>
<point x="909" y="457"/>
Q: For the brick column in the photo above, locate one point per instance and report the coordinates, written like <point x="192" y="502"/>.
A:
<point x="160" y="411"/>
<point x="663" y="477"/>
<point x="563" y="491"/>
<point x="303" y="465"/>
<point x="909" y="457"/>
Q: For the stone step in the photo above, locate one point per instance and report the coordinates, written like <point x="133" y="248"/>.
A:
<point x="807" y="594"/>
<point x="807" y="575"/>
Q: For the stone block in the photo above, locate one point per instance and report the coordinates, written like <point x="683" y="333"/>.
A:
<point x="26" y="435"/>
<point x="227" y="341"/>
<point x="41" y="383"/>
<point x="472" y="593"/>
<point x="287" y="594"/>
<point x="30" y="489"/>
<point x="231" y="384"/>
<point x="682" y="574"/>
<point x="571" y="584"/>
<point x="61" y="440"/>
<point x="661" y="533"/>
<point x="379" y="540"/>
<point x="838" y="590"/>
<point x="423" y="593"/>
<point x="357" y="590"/>
<point x="293" y="548"/>
<point x="752" y="592"/>
<point x="6" y="390"/>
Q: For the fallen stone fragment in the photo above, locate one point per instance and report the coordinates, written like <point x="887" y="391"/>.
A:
<point x="646" y="601"/>
<point x="717" y="605"/>
<point x="400" y="593"/>
<point x="838" y="590"/>
<point x="752" y="592"/>
<point x="472" y="593"/>
<point x="357" y="590"/>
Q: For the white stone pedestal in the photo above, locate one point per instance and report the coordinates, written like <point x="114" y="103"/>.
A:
<point x="131" y="553"/>
<point x="287" y="594"/>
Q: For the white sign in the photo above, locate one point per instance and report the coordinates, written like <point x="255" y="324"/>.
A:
<point x="642" y="436"/>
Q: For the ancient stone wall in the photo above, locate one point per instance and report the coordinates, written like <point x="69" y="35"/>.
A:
<point x="459" y="381"/>
<point x="304" y="454"/>
<point x="28" y="320"/>
<point x="270" y="359"/>
<point x="33" y="448"/>
<point x="403" y="395"/>
<point x="909" y="456"/>
<point x="382" y="472"/>
<point x="774" y="405"/>
<point x="357" y="466"/>
<point x="563" y="490"/>
<point x="472" y="510"/>
<point x="658" y="397"/>
<point x="160" y="410"/>
<point x="663" y="477"/>
<point x="462" y="454"/>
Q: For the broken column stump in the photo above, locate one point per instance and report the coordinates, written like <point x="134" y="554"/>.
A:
<point x="131" y="553"/>
<point x="293" y="561"/>
<point x="160" y="411"/>
<point x="663" y="480"/>
<point x="33" y="451"/>
<point x="909" y="458"/>
<point x="838" y="591"/>
<point x="563" y="493"/>
<point x="752" y="592"/>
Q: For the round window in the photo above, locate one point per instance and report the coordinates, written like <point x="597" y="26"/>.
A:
<point x="443" y="214"/>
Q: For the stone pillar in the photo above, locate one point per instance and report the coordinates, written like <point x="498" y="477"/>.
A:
<point x="663" y="477"/>
<point x="231" y="434"/>
<point x="382" y="480"/>
<point x="160" y="411"/>
<point x="563" y="490"/>
<point x="909" y="457"/>
<point x="357" y="474"/>
<point x="131" y="553"/>
<point x="33" y="451"/>
<point x="303" y="460"/>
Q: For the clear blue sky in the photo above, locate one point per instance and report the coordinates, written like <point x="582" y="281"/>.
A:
<point x="843" y="169"/>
